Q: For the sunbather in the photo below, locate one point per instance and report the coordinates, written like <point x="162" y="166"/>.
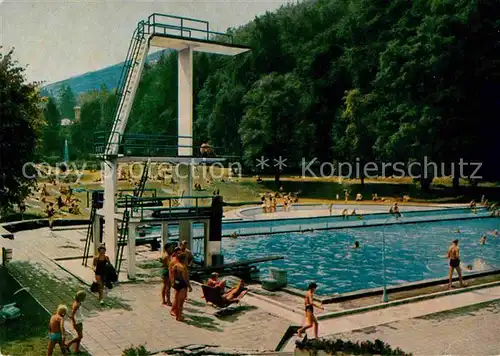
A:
<point x="214" y="282"/>
<point x="235" y="294"/>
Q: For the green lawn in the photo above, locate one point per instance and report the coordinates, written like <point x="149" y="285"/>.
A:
<point x="26" y="336"/>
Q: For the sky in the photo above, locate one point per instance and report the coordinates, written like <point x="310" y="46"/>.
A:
<point x="60" y="39"/>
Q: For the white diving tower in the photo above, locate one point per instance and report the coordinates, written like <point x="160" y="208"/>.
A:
<point x="186" y="36"/>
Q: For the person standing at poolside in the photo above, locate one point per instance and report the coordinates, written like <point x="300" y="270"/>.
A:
<point x="179" y="277"/>
<point x="311" y="320"/>
<point x="165" y="261"/>
<point x="76" y="318"/>
<point x="56" y="330"/>
<point x="185" y="251"/>
<point x="100" y="262"/>
<point x="454" y="256"/>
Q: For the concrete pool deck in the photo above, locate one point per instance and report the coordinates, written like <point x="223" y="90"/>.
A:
<point x="315" y="210"/>
<point x="133" y="313"/>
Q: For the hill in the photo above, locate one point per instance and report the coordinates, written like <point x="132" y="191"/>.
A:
<point x="108" y="77"/>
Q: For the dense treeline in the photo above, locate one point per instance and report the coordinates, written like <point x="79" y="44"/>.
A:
<point x="347" y="80"/>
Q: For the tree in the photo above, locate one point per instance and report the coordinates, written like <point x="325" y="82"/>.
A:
<point x="273" y="125"/>
<point x="51" y="139"/>
<point x="355" y="142"/>
<point x="20" y="125"/>
<point x="67" y="102"/>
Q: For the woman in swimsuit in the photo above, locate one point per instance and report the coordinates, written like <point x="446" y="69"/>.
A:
<point x="100" y="262"/>
<point x="165" y="261"/>
<point x="76" y="318"/>
<point x="179" y="277"/>
<point x="311" y="320"/>
<point x="56" y="330"/>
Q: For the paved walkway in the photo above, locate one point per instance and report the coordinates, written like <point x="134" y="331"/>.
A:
<point x="404" y="312"/>
<point x="133" y="314"/>
<point x="470" y="331"/>
<point x="323" y="210"/>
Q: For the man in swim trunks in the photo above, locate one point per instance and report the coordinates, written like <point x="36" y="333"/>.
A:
<point x="454" y="256"/>
<point x="56" y="330"/>
<point x="185" y="251"/>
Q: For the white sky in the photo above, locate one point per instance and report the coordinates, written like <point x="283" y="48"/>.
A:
<point x="61" y="39"/>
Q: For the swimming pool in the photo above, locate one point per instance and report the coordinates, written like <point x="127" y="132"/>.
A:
<point x="257" y="227"/>
<point x="413" y="252"/>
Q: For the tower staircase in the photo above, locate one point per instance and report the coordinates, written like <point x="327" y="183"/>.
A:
<point x="128" y="84"/>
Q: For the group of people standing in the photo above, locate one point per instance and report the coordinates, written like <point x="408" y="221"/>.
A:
<point x="270" y="200"/>
<point x="176" y="261"/>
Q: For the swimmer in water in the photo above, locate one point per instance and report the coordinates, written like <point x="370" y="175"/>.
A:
<point x="483" y="240"/>
<point x="356" y="245"/>
<point x="493" y="233"/>
<point x="234" y="235"/>
<point x="458" y="231"/>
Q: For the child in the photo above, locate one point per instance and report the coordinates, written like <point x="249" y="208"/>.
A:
<point x="76" y="318"/>
<point x="311" y="320"/>
<point x="56" y="330"/>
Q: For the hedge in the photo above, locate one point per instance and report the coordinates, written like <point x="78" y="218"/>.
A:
<point x="376" y="347"/>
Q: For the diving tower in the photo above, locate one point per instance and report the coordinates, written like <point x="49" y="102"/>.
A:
<point x="186" y="36"/>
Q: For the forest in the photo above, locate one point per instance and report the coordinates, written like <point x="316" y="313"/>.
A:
<point x="336" y="80"/>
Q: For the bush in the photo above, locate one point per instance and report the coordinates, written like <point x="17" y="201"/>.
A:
<point x="377" y="347"/>
<point x="136" y="351"/>
<point x="15" y="216"/>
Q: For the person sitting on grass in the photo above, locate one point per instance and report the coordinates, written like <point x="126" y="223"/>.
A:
<point x="56" y="330"/>
<point x="60" y="203"/>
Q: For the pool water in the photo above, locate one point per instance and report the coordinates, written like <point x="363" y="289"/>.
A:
<point x="413" y="252"/>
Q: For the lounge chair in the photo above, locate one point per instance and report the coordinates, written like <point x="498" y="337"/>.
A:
<point x="213" y="295"/>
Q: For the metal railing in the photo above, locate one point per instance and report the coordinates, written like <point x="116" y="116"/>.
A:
<point x="150" y="145"/>
<point x="139" y="207"/>
<point x="163" y="22"/>
<point x="119" y="193"/>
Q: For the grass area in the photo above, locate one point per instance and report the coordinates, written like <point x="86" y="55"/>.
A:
<point x="52" y="291"/>
<point x="152" y="264"/>
<point x="26" y="336"/>
<point x="312" y="190"/>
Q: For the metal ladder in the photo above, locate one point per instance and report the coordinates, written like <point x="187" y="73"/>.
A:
<point x="90" y="231"/>
<point x="139" y="190"/>
<point x="123" y="232"/>
<point x="127" y="87"/>
<point x="122" y="239"/>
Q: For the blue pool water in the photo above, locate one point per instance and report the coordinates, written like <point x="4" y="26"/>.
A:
<point x="413" y="252"/>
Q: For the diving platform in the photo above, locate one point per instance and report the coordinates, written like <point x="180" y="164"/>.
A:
<point x="186" y="36"/>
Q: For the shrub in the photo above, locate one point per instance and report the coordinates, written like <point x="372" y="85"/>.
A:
<point x="376" y="347"/>
<point x="136" y="351"/>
